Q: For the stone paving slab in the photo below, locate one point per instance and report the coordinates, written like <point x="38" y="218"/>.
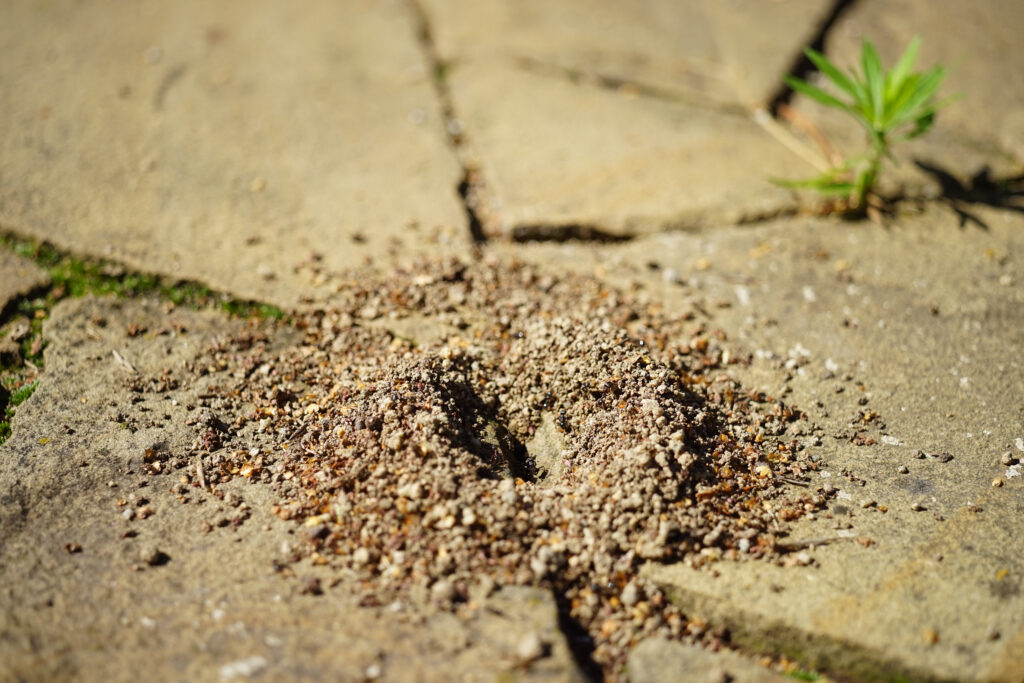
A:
<point x="919" y="322"/>
<point x="88" y="594"/>
<point x="559" y="158"/>
<point x="18" y="277"/>
<point x="620" y="118"/>
<point x="723" y="53"/>
<point x="225" y="142"/>
<point x="656" y="660"/>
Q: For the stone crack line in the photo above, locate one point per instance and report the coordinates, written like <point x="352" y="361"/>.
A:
<point x="630" y="87"/>
<point x="470" y="186"/>
<point x="801" y="66"/>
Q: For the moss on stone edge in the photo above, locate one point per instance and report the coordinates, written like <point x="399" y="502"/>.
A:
<point x="74" y="276"/>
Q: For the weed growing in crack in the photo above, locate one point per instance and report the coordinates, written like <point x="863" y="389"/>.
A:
<point x="892" y="106"/>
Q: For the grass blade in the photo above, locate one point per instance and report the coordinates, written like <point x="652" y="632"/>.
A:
<point x="921" y="94"/>
<point x="875" y="76"/>
<point x="834" y="74"/>
<point x="818" y="185"/>
<point x="899" y="73"/>
<point x="816" y="93"/>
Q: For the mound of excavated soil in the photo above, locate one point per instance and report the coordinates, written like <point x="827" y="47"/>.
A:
<point x="457" y="427"/>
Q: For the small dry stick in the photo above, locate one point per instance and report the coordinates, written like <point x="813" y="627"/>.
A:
<point x="200" y="475"/>
<point x="807" y="126"/>
<point x="808" y="154"/>
<point x="123" y="361"/>
<point x="806" y="543"/>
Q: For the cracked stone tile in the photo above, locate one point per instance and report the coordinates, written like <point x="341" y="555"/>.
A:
<point x="658" y="660"/>
<point x="226" y="143"/>
<point x="555" y="156"/>
<point x="726" y="53"/>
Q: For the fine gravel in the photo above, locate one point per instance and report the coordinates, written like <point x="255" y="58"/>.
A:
<point x="456" y="427"/>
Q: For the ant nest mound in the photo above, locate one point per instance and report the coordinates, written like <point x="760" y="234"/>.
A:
<point x="456" y="427"/>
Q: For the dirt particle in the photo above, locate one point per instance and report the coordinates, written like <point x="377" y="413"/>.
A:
<point x="530" y="648"/>
<point x="152" y="556"/>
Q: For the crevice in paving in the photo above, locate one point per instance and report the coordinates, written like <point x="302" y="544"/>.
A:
<point x="470" y="188"/>
<point x="469" y="196"/>
<point x="630" y="87"/>
<point x="802" y="67"/>
<point x="546" y="232"/>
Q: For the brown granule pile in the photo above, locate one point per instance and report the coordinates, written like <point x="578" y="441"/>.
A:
<point x="456" y="427"/>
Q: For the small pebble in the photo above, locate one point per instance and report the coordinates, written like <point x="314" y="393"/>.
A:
<point x="903" y="469"/>
<point x="530" y="647"/>
<point x="917" y="507"/>
<point x="311" y="586"/>
<point x="997" y="482"/>
<point x="631" y="593"/>
<point x="1007" y="458"/>
<point x="153" y="556"/>
<point x="442" y="591"/>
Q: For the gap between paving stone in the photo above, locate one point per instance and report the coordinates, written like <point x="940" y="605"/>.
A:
<point x="470" y="189"/>
<point x="801" y="66"/>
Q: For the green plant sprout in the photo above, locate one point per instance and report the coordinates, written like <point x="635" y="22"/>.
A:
<point x="891" y="105"/>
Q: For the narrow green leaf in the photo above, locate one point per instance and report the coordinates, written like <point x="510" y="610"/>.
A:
<point x="922" y="93"/>
<point x="816" y="93"/>
<point x="830" y="182"/>
<point x="898" y="105"/>
<point x="833" y="73"/>
<point x="899" y="73"/>
<point x="875" y="76"/>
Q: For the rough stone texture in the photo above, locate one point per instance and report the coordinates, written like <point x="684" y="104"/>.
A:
<point x="925" y="318"/>
<point x="82" y="599"/>
<point x="723" y="53"/>
<point x="657" y="660"/>
<point x="18" y="277"/>
<point x="620" y="118"/>
<point x="558" y="157"/>
<point x="225" y="142"/>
